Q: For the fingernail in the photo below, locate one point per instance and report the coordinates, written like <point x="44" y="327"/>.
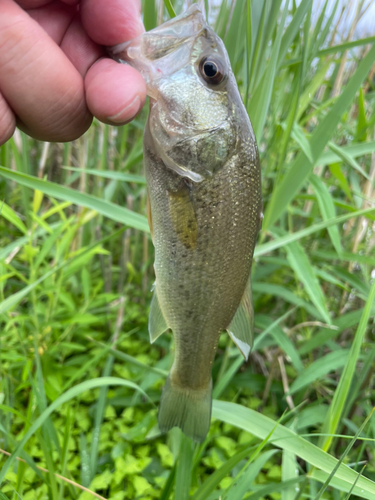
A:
<point x="128" y="112"/>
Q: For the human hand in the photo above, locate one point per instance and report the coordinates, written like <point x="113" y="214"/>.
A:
<point x="53" y="71"/>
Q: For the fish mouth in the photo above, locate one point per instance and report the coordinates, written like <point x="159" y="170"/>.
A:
<point x="165" y="38"/>
<point x="164" y="49"/>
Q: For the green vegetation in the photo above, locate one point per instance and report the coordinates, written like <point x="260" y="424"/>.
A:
<point x="79" y="381"/>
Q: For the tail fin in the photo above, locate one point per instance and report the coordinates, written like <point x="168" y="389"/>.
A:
<point x="188" y="409"/>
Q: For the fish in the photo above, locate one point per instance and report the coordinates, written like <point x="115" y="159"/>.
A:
<point x="205" y="206"/>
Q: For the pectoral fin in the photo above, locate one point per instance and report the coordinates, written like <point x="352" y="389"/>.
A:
<point x="157" y="323"/>
<point x="183" y="217"/>
<point x="241" y="328"/>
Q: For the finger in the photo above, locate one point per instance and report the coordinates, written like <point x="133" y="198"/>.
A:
<point x="63" y="25"/>
<point x="7" y="121"/>
<point x="32" y="4"/>
<point x="55" y="18"/>
<point x="38" y="81"/>
<point x="115" y="92"/>
<point x="109" y="22"/>
<point x="79" y="48"/>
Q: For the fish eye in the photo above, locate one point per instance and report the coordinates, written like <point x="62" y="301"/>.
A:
<point x="212" y="70"/>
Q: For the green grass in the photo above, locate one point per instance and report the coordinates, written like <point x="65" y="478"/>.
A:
<point x="79" y="381"/>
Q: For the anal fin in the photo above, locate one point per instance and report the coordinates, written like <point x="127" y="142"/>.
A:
<point x="156" y="323"/>
<point x="241" y="329"/>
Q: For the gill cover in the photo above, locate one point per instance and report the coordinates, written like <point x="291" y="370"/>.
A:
<point x="186" y="68"/>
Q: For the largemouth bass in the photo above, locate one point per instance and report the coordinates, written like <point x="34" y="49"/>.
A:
<point x="203" y="179"/>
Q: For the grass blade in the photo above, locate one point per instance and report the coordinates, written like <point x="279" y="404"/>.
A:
<point x="319" y="368"/>
<point x="354" y="484"/>
<point x="260" y="101"/>
<point x="85" y="463"/>
<point x="345" y="46"/>
<point x="348" y="448"/>
<point x="289" y="472"/>
<point x="167" y="491"/>
<point x="342" y="392"/>
<point x="242" y="484"/>
<point x="260" y="426"/>
<point x="149" y="15"/>
<point x="170" y="8"/>
<point x="214" y="479"/>
<point x="98" y="419"/>
<point x="264" y="491"/>
<point x="293" y="28"/>
<point x="285" y="240"/>
<point x="9" y="214"/>
<point x="301" y="266"/>
<point x="14" y="299"/>
<point x="109" y="174"/>
<point x="64" y="398"/>
<point x="327" y="209"/>
<point x="184" y="468"/>
<point x="301" y="166"/>
<point x="103" y="207"/>
<point x="353" y="150"/>
<point x="346" y="157"/>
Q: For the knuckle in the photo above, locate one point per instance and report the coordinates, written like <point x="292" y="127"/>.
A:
<point x="14" y="32"/>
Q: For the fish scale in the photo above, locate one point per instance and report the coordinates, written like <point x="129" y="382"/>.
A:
<point x="203" y="181"/>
